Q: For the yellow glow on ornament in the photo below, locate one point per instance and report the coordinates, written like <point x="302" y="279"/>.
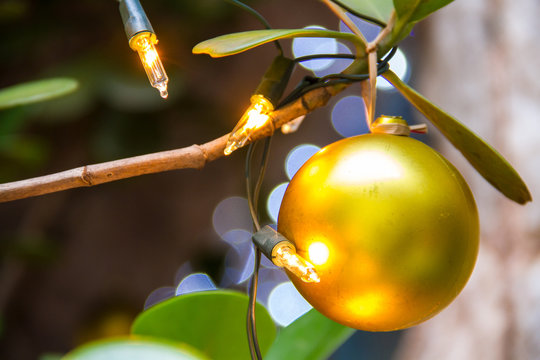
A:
<point x="400" y="224"/>
<point x="318" y="253"/>
<point x="366" y="167"/>
<point x="367" y="305"/>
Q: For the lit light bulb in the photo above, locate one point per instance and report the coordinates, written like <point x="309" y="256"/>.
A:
<point x="255" y="118"/>
<point x="144" y="43"/>
<point x="284" y="255"/>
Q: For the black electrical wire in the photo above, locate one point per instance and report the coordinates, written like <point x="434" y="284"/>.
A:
<point x="251" y="334"/>
<point x="310" y="83"/>
<point x="324" y="56"/>
<point x="258" y="16"/>
<point x="253" y="196"/>
<point x="251" y="317"/>
<point x="357" y="14"/>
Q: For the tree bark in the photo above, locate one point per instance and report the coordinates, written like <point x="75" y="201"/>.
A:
<point x="478" y="63"/>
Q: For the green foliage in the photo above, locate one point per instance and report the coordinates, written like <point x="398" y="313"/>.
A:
<point x="134" y="349"/>
<point x="311" y="337"/>
<point x="232" y="44"/>
<point x="486" y="160"/>
<point x="36" y="91"/>
<point x="416" y="10"/>
<point x="211" y="321"/>
<point x="378" y="10"/>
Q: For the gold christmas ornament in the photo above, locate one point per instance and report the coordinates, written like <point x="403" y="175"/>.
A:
<point x="390" y="227"/>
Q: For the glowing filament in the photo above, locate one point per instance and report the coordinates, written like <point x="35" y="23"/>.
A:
<point x="284" y="255"/>
<point x="255" y="118"/>
<point x="144" y="43"/>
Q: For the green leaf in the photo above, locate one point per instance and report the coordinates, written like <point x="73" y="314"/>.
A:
<point x="236" y="43"/>
<point x="212" y="321"/>
<point x="416" y="10"/>
<point x="36" y="91"/>
<point x="134" y="349"/>
<point x="311" y="337"/>
<point x="486" y="160"/>
<point x="378" y="10"/>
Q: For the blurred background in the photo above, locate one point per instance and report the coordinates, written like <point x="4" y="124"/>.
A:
<point x="81" y="264"/>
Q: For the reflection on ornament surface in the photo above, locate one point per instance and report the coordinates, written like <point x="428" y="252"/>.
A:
<point x="399" y="225"/>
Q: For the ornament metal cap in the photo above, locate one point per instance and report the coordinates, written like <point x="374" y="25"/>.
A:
<point x="393" y="125"/>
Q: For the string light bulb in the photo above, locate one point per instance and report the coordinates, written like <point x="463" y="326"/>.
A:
<point x="142" y="39"/>
<point x="144" y="44"/>
<point x="256" y="117"/>
<point x="267" y="94"/>
<point x="283" y="253"/>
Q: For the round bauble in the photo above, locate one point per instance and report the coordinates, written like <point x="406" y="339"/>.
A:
<point x="390" y="226"/>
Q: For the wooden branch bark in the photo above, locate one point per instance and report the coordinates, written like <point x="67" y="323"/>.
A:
<point x="192" y="157"/>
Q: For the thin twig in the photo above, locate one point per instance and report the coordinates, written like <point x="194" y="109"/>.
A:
<point x="192" y="157"/>
<point x="342" y="15"/>
<point x="384" y="33"/>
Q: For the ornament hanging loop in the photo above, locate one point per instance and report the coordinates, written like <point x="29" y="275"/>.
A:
<point x="395" y="125"/>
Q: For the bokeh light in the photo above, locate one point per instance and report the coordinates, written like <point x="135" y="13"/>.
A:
<point x="237" y="238"/>
<point x="239" y="263"/>
<point x="240" y="259"/>
<point x="398" y="64"/>
<point x="285" y="304"/>
<point x="195" y="283"/>
<point x="159" y="295"/>
<point x="297" y="157"/>
<point x="336" y="65"/>
<point x="184" y="270"/>
<point x="231" y="213"/>
<point x="368" y="29"/>
<point x="349" y="116"/>
<point x="269" y="278"/>
<point x="267" y="263"/>
<point x="312" y="46"/>
<point x="274" y="200"/>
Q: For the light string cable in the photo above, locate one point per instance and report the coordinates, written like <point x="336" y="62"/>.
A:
<point x="259" y="17"/>
<point x="310" y="82"/>
<point x="253" y="197"/>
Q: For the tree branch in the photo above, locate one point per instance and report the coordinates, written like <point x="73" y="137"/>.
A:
<point x="192" y="157"/>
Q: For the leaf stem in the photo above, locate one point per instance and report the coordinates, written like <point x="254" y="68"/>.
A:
<point x="342" y="15"/>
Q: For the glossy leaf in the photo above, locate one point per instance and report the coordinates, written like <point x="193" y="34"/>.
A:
<point x="486" y="160"/>
<point x="416" y="10"/>
<point x="378" y="10"/>
<point x="236" y="43"/>
<point x="311" y="337"/>
<point x="36" y="91"/>
<point x="134" y="349"/>
<point x="211" y="321"/>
